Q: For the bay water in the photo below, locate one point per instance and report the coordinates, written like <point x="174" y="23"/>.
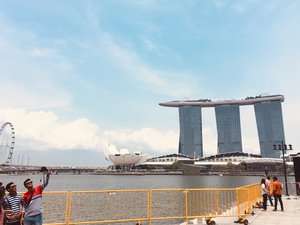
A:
<point x="70" y="182"/>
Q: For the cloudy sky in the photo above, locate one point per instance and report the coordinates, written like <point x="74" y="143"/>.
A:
<point x="77" y="76"/>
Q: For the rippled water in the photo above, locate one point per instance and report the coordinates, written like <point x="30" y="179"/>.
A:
<point x="108" y="182"/>
<point x="62" y="182"/>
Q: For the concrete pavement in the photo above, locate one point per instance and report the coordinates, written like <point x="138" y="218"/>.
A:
<point x="291" y="214"/>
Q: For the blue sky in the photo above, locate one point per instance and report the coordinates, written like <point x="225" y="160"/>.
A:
<point x="79" y="75"/>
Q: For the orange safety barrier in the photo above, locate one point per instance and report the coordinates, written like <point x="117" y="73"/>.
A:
<point x="151" y="206"/>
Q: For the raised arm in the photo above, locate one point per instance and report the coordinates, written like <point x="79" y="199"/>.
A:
<point x="47" y="179"/>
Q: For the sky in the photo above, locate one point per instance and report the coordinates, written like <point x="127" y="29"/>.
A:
<point x="78" y="76"/>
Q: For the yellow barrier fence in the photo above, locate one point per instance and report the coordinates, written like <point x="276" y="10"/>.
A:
<point x="148" y="206"/>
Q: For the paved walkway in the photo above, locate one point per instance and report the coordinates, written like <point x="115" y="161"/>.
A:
<point x="291" y="214"/>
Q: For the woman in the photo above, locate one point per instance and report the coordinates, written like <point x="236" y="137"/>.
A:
<point x="264" y="192"/>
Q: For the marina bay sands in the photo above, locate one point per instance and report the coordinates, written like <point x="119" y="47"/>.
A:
<point x="269" y="122"/>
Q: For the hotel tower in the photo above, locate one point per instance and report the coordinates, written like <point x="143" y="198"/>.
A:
<point x="269" y="122"/>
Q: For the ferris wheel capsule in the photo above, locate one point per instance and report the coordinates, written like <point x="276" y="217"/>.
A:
<point x="7" y="142"/>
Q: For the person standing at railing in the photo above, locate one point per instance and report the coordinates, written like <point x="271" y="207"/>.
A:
<point x="33" y="200"/>
<point x="264" y="193"/>
<point x="268" y="185"/>
<point x="277" y="192"/>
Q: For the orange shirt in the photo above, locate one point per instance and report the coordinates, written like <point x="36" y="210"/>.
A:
<point x="277" y="188"/>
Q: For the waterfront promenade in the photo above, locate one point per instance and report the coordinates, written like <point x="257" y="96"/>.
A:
<point x="291" y="215"/>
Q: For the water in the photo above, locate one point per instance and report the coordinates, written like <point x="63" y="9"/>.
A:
<point x="109" y="206"/>
<point x="63" y="182"/>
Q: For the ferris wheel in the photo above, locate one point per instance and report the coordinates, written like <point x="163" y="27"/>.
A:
<point x="7" y="142"/>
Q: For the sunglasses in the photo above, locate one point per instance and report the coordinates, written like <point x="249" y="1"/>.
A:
<point x="28" y="182"/>
<point x="13" y="186"/>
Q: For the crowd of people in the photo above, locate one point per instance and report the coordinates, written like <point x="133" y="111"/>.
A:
<point x="267" y="193"/>
<point x="26" y="209"/>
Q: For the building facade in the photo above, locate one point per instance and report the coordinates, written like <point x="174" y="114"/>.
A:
<point x="228" y="129"/>
<point x="270" y="127"/>
<point x="190" y="138"/>
<point x="269" y="121"/>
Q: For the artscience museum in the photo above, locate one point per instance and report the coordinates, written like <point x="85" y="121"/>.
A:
<point x="124" y="159"/>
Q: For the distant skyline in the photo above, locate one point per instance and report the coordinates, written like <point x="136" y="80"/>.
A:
<point x="77" y="76"/>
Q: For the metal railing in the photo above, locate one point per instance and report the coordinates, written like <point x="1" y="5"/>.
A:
<point x="148" y="206"/>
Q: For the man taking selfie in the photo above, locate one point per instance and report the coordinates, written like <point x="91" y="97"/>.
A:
<point x="33" y="200"/>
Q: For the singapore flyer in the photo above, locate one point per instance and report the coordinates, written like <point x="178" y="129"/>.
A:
<point x="7" y="142"/>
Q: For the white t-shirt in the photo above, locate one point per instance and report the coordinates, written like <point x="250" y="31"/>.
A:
<point x="263" y="186"/>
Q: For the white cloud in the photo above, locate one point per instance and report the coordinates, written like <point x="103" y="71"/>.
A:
<point x="32" y="77"/>
<point x="209" y="136"/>
<point x="250" y="139"/>
<point x="41" y="130"/>
<point x="145" y="138"/>
<point x="15" y="94"/>
<point x="148" y="4"/>
<point x="41" y="52"/>
<point x="220" y="3"/>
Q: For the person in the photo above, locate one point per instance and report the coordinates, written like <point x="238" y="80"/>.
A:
<point x="2" y="188"/>
<point x="268" y="185"/>
<point x="13" y="206"/>
<point x="33" y="201"/>
<point x="264" y="193"/>
<point x="277" y="192"/>
<point x="2" y="194"/>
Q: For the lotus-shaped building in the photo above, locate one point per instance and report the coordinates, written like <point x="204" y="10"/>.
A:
<point x="124" y="157"/>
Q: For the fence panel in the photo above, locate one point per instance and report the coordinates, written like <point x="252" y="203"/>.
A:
<point x="157" y="206"/>
<point x="167" y="203"/>
<point x="55" y="207"/>
<point x="206" y="203"/>
<point x="108" y="206"/>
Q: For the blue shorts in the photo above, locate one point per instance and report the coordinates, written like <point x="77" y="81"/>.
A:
<point x="34" y="220"/>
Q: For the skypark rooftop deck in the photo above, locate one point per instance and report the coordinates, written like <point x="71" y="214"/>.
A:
<point x="210" y="103"/>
